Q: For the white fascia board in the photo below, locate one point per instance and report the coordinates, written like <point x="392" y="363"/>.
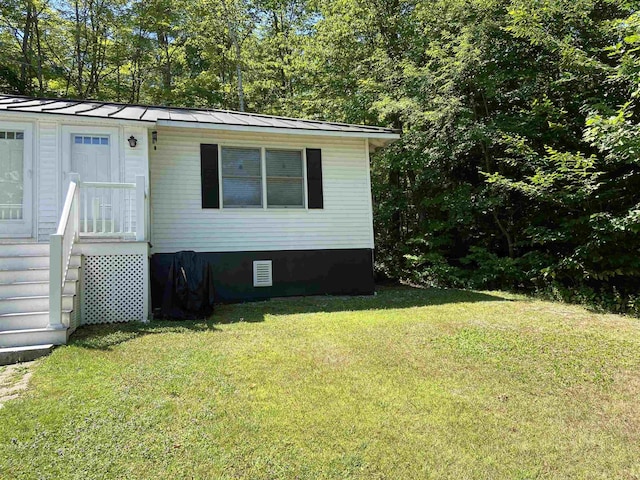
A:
<point x="285" y="131"/>
<point x="71" y="119"/>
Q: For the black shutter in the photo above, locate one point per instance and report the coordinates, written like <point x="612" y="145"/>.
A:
<point x="209" y="176"/>
<point x="314" y="178"/>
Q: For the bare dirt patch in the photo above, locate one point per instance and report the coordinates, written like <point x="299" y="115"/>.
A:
<point x="14" y="379"/>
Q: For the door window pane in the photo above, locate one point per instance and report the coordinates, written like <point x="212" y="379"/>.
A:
<point x="80" y="139"/>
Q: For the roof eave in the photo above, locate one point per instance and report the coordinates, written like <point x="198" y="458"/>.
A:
<point x="282" y="130"/>
<point x="73" y="118"/>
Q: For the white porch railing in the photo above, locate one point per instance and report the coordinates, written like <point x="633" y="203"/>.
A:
<point x="60" y="248"/>
<point x="93" y="209"/>
<point x="113" y="209"/>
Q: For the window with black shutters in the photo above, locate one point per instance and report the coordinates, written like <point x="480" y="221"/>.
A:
<point x="285" y="179"/>
<point x="241" y="177"/>
<point x="244" y="177"/>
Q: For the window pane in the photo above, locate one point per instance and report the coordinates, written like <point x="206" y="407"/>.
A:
<point x="284" y="178"/>
<point x="95" y="140"/>
<point x="87" y="140"/>
<point x="240" y="162"/>
<point x="284" y="163"/>
<point x="104" y="141"/>
<point x="11" y="176"/>
<point x="242" y="192"/>
<point x="77" y="139"/>
<point x="241" y="177"/>
<point x="284" y="192"/>
<point x="19" y="135"/>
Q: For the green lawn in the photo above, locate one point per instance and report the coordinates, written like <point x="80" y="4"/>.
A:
<point x="408" y="384"/>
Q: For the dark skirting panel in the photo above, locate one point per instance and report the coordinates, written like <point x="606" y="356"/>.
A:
<point x="299" y="272"/>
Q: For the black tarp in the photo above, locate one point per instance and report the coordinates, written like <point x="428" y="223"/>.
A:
<point x="189" y="292"/>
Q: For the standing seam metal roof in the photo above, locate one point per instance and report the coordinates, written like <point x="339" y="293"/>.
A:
<point x="153" y="114"/>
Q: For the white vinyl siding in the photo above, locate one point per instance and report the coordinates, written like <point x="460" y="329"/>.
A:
<point x="180" y="223"/>
<point x="49" y="175"/>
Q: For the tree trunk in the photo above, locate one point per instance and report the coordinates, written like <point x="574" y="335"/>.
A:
<point x="25" y="65"/>
<point x="163" y="40"/>
<point x="235" y="42"/>
<point x="39" y="48"/>
<point x="78" y="52"/>
<point x="239" y="75"/>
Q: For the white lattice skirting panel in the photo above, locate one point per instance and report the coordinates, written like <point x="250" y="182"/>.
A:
<point x="114" y="288"/>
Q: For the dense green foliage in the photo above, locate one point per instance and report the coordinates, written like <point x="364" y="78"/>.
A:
<point x="518" y="167"/>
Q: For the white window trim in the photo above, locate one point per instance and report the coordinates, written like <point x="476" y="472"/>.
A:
<point x="263" y="172"/>
<point x="304" y="179"/>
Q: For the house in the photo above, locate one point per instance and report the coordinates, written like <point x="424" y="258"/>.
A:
<point x="99" y="196"/>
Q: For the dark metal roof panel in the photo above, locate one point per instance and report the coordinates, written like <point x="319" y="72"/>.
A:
<point x="181" y="116"/>
<point x="56" y="106"/>
<point x="96" y="109"/>
<point x="207" y="117"/>
<point x="103" y="111"/>
<point x="129" y="112"/>
<point x="29" y="104"/>
<point x="79" y="108"/>
<point x="231" y="118"/>
<point x="153" y="114"/>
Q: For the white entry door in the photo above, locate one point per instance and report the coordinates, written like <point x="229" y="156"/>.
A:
<point x="15" y="180"/>
<point x="92" y="157"/>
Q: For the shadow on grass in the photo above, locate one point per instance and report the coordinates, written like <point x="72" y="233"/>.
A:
<point x="387" y="297"/>
<point x="105" y="337"/>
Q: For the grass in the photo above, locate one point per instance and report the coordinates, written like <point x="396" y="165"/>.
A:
<point x="408" y="384"/>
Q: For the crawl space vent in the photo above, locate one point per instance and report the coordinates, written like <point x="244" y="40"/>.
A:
<point x="262" y="274"/>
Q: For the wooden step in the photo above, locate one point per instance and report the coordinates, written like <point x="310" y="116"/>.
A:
<point x="33" y="336"/>
<point x="20" y="262"/>
<point x="31" y="304"/>
<point x="33" y="274"/>
<point x="7" y="250"/>
<point x="24" y="289"/>
<point x="24" y="262"/>
<point x="24" y="321"/>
